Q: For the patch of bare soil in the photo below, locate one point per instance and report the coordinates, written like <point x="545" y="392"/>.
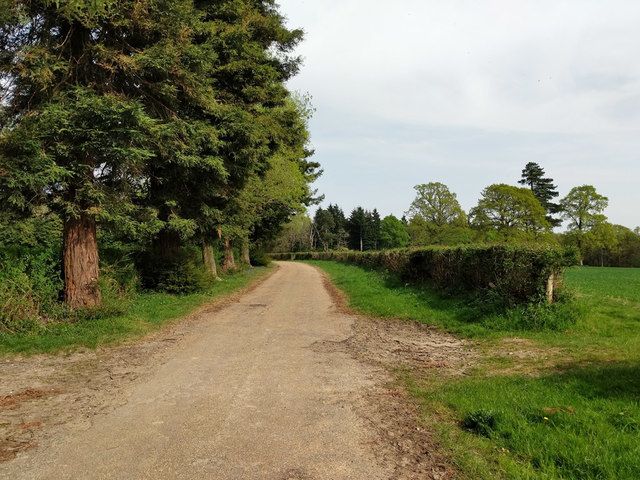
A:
<point x="405" y="444"/>
<point x="42" y="393"/>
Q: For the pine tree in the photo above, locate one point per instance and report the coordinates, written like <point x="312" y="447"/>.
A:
<point x="339" y="231"/>
<point x="543" y="189"/>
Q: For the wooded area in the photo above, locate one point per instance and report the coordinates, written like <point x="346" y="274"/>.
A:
<point x="136" y="135"/>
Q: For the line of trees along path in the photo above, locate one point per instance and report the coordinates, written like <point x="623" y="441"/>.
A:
<point x="157" y="122"/>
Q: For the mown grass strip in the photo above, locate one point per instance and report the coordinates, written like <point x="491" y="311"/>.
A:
<point x="570" y="411"/>
<point x="147" y="313"/>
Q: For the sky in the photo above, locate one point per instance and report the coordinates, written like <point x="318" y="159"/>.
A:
<point x="467" y="92"/>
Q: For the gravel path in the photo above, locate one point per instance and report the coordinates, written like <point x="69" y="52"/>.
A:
<point x="277" y="385"/>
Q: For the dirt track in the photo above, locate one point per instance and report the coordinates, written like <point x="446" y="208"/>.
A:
<point x="281" y="384"/>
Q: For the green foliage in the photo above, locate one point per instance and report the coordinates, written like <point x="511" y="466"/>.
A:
<point x="363" y="229"/>
<point x="514" y="213"/>
<point x="536" y="315"/>
<point x="295" y="236"/>
<point x="514" y="274"/>
<point x="583" y="207"/>
<point x="393" y="233"/>
<point x="436" y="205"/>
<point x="543" y="189"/>
<point x="329" y="228"/>
<point x="259" y="258"/>
<point x="423" y="233"/>
<point x="181" y="272"/>
<point x="151" y="118"/>
<point x="30" y="286"/>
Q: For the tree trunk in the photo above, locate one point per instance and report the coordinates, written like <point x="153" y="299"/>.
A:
<point x="244" y="255"/>
<point x="166" y="244"/>
<point x="80" y="263"/>
<point x="209" y="259"/>
<point x="229" y="262"/>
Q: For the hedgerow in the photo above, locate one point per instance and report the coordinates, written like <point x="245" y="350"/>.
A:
<point x="519" y="274"/>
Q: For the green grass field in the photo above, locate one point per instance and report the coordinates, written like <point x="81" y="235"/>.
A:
<point x="148" y="312"/>
<point x="570" y="410"/>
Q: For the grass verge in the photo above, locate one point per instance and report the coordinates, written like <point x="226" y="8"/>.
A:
<point x="546" y="404"/>
<point x="148" y="312"/>
<point x="384" y="295"/>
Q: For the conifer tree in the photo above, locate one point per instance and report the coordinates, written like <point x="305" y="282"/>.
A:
<point x="78" y="80"/>
<point x="543" y="189"/>
<point x="113" y="108"/>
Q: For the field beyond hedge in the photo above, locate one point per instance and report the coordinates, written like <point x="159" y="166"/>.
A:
<point x="539" y="404"/>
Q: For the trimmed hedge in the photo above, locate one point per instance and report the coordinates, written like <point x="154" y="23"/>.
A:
<point x="517" y="273"/>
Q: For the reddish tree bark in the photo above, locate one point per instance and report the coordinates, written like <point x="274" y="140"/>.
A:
<point x="80" y="263"/>
<point x="166" y="244"/>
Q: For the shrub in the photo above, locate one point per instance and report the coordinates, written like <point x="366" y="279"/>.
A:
<point x="30" y="288"/>
<point x="259" y="258"/>
<point x="180" y="273"/>
<point x="118" y="265"/>
<point x="516" y="274"/>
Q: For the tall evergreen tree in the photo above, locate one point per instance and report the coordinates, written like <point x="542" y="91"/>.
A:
<point x="372" y="238"/>
<point x="357" y="228"/>
<point x="112" y="108"/>
<point x="77" y="82"/>
<point x="363" y="228"/>
<point x="323" y="226"/>
<point x="543" y="189"/>
<point x="340" y="227"/>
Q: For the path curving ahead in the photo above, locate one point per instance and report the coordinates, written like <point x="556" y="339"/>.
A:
<point x="245" y="396"/>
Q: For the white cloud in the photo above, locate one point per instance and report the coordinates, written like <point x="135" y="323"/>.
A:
<point x="493" y="76"/>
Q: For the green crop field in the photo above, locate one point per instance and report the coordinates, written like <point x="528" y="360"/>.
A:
<point x="567" y="408"/>
<point x="606" y="282"/>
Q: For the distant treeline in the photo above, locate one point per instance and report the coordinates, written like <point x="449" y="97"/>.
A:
<point x="505" y="214"/>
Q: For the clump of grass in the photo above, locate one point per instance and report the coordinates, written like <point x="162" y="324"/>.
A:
<point x="481" y="422"/>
